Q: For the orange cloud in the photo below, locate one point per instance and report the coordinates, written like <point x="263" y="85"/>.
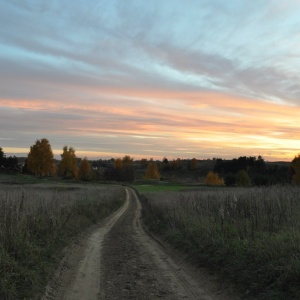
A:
<point x="200" y="121"/>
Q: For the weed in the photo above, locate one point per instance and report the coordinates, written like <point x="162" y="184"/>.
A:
<point x="36" y="222"/>
<point x="251" y="235"/>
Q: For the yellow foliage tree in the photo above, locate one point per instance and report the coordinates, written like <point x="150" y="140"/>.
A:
<point x="213" y="179"/>
<point x="296" y="169"/>
<point x="68" y="167"/>
<point x="85" y="170"/>
<point x="152" y="171"/>
<point x="118" y="163"/>
<point x="40" y="159"/>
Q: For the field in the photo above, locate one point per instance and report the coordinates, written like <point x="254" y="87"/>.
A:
<point x="38" y="218"/>
<point x="249" y="235"/>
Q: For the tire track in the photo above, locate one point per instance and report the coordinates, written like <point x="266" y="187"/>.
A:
<point x="118" y="259"/>
<point x="78" y="276"/>
<point x="136" y="266"/>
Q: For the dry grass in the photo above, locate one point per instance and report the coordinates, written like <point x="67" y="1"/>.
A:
<point x="36" y="222"/>
<point x="252" y="235"/>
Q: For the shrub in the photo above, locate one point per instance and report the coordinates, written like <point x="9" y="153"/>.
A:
<point x="213" y="179"/>
<point x="242" y="178"/>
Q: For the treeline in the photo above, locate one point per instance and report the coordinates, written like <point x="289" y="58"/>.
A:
<point x="242" y="171"/>
<point x="253" y="171"/>
<point x="10" y="163"/>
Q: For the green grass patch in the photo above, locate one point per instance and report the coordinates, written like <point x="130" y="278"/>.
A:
<point x="161" y="187"/>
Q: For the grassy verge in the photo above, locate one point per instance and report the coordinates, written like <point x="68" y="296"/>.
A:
<point x="37" y="222"/>
<point x="250" y="235"/>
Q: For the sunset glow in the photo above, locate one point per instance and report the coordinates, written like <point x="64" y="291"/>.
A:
<point x="200" y="79"/>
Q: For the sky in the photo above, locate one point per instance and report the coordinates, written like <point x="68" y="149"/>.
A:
<point x="151" y="79"/>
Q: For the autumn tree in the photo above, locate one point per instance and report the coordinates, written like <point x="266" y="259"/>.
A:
<point x="118" y="164"/>
<point x="40" y="159"/>
<point x="213" y="179"/>
<point x="152" y="171"/>
<point x="85" y="170"/>
<point x="68" y="167"/>
<point x="296" y="169"/>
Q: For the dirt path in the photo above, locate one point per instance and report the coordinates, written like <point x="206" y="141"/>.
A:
<point x="119" y="260"/>
<point x="78" y="276"/>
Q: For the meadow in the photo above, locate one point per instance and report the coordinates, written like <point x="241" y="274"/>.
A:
<point x="251" y="236"/>
<point x="37" y="220"/>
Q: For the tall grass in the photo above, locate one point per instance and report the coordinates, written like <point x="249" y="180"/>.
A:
<point x="250" y="235"/>
<point x="36" y="222"/>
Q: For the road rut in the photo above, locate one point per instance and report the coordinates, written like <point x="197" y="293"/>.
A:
<point x="119" y="260"/>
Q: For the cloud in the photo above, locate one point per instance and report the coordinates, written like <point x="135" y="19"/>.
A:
<point x="210" y="75"/>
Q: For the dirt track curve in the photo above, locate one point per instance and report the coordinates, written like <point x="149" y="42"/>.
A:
<point x="119" y="260"/>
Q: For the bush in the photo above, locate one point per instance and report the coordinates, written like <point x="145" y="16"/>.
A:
<point x="242" y="178"/>
<point x="213" y="179"/>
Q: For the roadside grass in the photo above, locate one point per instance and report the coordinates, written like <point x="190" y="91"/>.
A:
<point x="37" y="222"/>
<point x="249" y="235"/>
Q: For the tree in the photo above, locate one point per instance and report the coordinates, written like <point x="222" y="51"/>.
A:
<point x="296" y="169"/>
<point x="230" y="179"/>
<point x="68" y="167"/>
<point x="2" y="158"/>
<point x="144" y="162"/>
<point x="178" y="163"/>
<point x="152" y="171"/>
<point x="260" y="165"/>
<point x="2" y="154"/>
<point x="123" y="169"/>
<point x="242" y="178"/>
<point x="85" y="170"/>
<point x="127" y="161"/>
<point x="165" y="164"/>
<point x="192" y="164"/>
<point x="213" y="179"/>
<point x="40" y="159"/>
<point x="128" y="172"/>
<point x="118" y="164"/>
<point x="11" y="163"/>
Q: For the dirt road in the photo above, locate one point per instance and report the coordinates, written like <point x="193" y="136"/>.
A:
<point x="119" y="260"/>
